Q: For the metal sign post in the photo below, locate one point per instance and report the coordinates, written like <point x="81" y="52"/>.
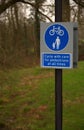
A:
<point x="59" y="50"/>
<point x="58" y="76"/>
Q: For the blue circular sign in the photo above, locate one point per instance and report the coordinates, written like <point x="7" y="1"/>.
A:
<point x="56" y="37"/>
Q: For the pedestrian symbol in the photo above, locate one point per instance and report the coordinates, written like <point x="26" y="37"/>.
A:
<point x="56" y="37"/>
<point x="56" y="44"/>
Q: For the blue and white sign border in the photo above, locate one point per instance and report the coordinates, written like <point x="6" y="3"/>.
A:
<point x="63" y="49"/>
<point x="59" y="24"/>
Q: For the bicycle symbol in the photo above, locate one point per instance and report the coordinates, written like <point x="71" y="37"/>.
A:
<point x="58" y="31"/>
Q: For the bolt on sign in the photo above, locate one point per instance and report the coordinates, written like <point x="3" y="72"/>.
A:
<point x="59" y="45"/>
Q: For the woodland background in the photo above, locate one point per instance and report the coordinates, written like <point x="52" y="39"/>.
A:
<point x="27" y="92"/>
<point x="20" y="28"/>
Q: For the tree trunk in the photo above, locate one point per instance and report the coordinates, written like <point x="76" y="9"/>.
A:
<point x="66" y="11"/>
<point x="37" y="32"/>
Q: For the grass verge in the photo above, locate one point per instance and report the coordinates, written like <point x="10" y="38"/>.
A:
<point x="27" y="99"/>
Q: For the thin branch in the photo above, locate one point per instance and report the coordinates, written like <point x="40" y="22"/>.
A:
<point x="33" y="5"/>
<point x="45" y="16"/>
<point x="79" y="2"/>
<point x="5" y="6"/>
<point x="27" y="2"/>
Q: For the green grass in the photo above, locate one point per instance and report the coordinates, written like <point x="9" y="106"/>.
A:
<point x="27" y="99"/>
<point x="73" y="94"/>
